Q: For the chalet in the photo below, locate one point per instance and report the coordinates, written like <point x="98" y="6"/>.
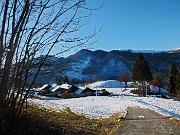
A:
<point x="65" y="86"/>
<point x="56" y="89"/>
<point x="102" y="92"/>
<point x="45" y="89"/>
<point x="66" y="90"/>
<point x="80" y="92"/>
<point x="71" y="91"/>
<point x="96" y="92"/>
<point x="88" y="91"/>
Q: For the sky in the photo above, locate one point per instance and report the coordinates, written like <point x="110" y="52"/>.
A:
<point x="136" y="24"/>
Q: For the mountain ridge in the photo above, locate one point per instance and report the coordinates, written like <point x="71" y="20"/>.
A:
<point x="101" y="65"/>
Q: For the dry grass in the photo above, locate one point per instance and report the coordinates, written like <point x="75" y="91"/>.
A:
<point x="66" y="122"/>
<point x="176" y="121"/>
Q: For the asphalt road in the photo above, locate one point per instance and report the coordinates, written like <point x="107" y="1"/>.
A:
<point x="147" y="122"/>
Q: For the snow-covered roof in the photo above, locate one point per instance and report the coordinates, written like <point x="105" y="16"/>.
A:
<point x="55" y="88"/>
<point x="44" y="86"/>
<point x="65" y="86"/>
<point x="78" y="91"/>
<point x="54" y="84"/>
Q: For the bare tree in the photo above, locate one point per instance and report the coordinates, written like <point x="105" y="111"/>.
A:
<point x="30" y="28"/>
<point x="158" y="81"/>
<point x="125" y="77"/>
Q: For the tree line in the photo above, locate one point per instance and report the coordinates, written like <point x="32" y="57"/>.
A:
<point x="142" y="73"/>
<point x="174" y="80"/>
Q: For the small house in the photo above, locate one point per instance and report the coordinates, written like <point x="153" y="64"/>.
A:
<point x="65" y="86"/>
<point x="67" y="90"/>
<point x="80" y="92"/>
<point x="45" y="89"/>
<point x="56" y="89"/>
<point x="88" y="91"/>
<point x="102" y="92"/>
<point x="72" y="90"/>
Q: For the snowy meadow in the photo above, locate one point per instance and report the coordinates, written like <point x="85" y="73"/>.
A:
<point x="106" y="106"/>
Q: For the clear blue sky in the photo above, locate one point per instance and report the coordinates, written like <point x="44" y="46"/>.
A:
<point x="137" y="24"/>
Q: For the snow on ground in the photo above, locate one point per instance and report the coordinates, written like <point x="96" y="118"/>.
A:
<point x="156" y="89"/>
<point x="108" y="84"/>
<point x="120" y="91"/>
<point x="92" y="106"/>
<point x="106" y="106"/>
<point x="167" y="107"/>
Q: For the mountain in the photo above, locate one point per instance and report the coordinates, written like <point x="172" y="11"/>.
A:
<point x="88" y="65"/>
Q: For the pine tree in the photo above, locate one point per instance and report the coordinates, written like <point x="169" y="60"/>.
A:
<point x="141" y="71"/>
<point x="172" y="79"/>
<point x="177" y="83"/>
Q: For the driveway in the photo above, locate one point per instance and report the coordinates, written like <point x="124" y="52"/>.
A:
<point x="141" y="121"/>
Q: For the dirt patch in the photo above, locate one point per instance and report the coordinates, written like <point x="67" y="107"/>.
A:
<point x="147" y="122"/>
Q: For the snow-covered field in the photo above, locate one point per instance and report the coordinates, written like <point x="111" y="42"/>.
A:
<point x="108" y="84"/>
<point x="106" y="106"/>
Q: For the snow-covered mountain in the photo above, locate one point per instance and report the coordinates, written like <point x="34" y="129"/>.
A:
<point x="101" y="65"/>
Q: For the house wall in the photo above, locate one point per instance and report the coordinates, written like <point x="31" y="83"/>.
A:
<point x="89" y="93"/>
<point x="82" y="95"/>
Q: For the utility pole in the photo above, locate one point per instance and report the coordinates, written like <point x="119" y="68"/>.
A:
<point x="146" y="87"/>
<point x="96" y="90"/>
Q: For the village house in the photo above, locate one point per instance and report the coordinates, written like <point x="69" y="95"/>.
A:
<point x="88" y="91"/>
<point x="65" y="91"/>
